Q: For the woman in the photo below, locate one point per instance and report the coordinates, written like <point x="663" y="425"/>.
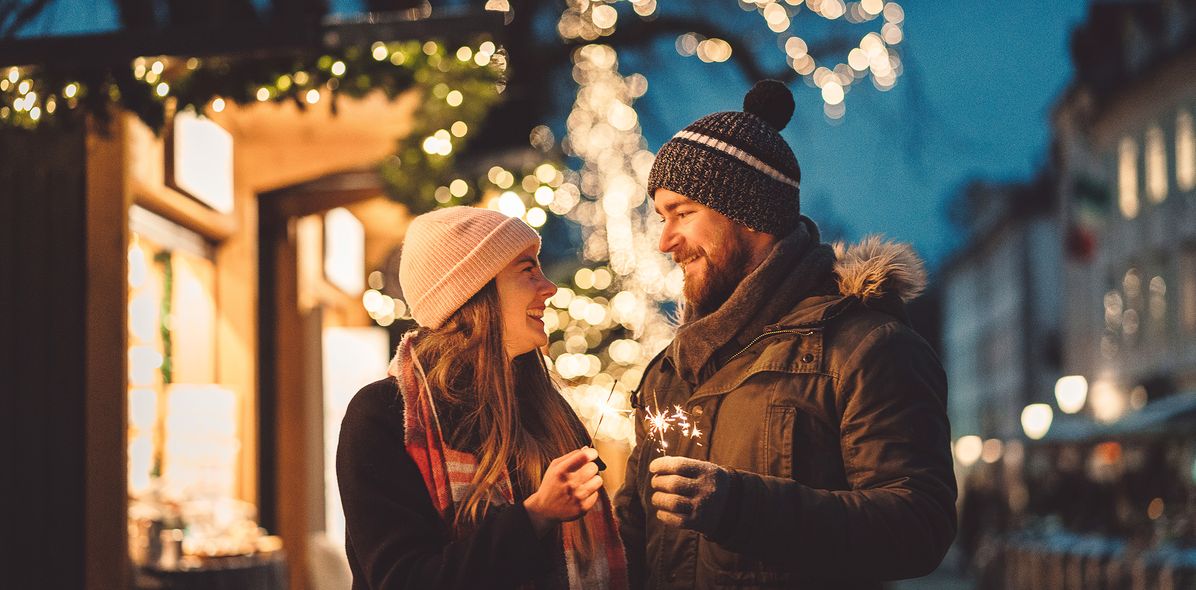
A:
<point x="465" y="468"/>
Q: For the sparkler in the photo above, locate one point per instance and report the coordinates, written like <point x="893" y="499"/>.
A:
<point x="606" y="408"/>
<point x="660" y="422"/>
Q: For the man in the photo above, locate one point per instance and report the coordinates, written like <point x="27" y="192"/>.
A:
<point x="824" y="458"/>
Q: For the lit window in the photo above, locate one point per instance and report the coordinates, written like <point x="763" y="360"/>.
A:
<point x="1127" y="178"/>
<point x="1185" y="151"/>
<point x="1156" y="165"/>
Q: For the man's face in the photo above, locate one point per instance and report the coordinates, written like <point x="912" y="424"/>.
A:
<point x="712" y="250"/>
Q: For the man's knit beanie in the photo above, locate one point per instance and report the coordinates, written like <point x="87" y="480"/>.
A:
<point x="450" y="254"/>
<point x="737" y="163"/>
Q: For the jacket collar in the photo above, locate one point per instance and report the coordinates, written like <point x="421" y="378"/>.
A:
<point x="801" y="284"/>
<point x="798" y="266"/>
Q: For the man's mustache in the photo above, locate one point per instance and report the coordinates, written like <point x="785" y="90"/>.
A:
<point x="687" y="254"/>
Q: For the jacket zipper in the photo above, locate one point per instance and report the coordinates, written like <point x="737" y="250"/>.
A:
<point x="766" y="334"/>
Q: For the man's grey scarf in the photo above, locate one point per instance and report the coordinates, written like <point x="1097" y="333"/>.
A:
<point x="799" y="266"/>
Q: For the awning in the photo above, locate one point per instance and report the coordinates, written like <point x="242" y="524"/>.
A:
<point x="1174" y="413"/>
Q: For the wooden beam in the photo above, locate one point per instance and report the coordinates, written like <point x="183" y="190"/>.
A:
<point x="106" y="334"/>
<point x="183" y="210"/>
<point x="249" y="39"/>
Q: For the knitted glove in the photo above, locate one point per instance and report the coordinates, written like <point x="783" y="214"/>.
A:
<point x="689" y="493"/>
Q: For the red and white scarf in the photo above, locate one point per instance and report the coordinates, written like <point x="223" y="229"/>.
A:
<point x="448" y="474"/>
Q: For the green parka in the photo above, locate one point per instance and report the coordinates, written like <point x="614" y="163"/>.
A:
<point x="831" y="415"/>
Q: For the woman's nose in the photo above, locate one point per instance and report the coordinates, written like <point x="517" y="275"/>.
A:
<point x="547" y="287"/>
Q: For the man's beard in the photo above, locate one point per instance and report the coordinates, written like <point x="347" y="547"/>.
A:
<point x="722" y="276"/>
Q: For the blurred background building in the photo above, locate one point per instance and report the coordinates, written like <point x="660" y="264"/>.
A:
<point x="1001" y="305"/>
<point x="1068" y="322"/>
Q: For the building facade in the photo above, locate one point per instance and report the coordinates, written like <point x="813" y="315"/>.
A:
<point x="1127" y="198"/>
<point x="1000" y="307"/>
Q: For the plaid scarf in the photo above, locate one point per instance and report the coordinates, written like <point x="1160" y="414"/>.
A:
<point x="448" y="474"/>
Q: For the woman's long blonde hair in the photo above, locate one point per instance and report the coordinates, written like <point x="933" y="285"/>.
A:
<point x="520" y="417"/>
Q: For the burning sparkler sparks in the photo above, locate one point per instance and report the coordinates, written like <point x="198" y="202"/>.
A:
<point x="660" y="422"/>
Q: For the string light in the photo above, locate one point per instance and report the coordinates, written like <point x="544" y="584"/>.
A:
<point x="875" y="58"/>
<point x="379" y="52"/>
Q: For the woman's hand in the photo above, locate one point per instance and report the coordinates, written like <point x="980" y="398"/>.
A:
<point x="568" y="491"/>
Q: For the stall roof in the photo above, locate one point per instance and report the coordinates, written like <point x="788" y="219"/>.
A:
<point x="250" y="38"/>
<point x="1171" y="413"/>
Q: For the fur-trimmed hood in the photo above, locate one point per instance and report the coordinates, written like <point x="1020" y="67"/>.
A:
<point x="875" y="268"/>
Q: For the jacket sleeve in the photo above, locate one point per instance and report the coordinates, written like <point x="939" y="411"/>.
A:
<point x="394" y="535"/>
<point x="629" y="511"/>
<point x="898" y="517"/>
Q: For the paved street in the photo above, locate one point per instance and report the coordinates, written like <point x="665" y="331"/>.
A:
<point x="947" y="577"/>
<point x="939" y="580"/>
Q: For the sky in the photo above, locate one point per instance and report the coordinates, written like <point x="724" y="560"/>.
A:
<point x="974" y="103"/>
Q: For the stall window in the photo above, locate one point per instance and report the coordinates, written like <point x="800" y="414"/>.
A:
<point x="1127" y="177"/>
<point x="184" y="440"/>
<point x="172" y="323"/>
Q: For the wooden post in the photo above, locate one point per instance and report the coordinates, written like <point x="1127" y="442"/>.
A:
<point x="106" y="336"/>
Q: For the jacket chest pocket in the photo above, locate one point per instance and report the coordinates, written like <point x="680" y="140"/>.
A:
<point x="777" y="453"/>
<point x="798" y="445"/>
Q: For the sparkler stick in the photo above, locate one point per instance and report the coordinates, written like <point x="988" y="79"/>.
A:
<point x="605" y="407"/>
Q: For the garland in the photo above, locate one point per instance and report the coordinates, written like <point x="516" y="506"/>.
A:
<point x="164" y="316"/>
<point x="39" y="95"/>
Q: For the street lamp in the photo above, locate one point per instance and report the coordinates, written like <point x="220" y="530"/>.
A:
<point x="1071" y="392"/>
<point x="1036" y="420"/>
<point x="969" y="447"/>
<point x="1108" y="402"/>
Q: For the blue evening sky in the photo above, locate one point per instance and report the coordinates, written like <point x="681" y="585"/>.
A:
<point x="974" y="102"/>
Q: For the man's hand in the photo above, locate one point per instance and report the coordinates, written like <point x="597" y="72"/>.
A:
<point x="689" y="493"/>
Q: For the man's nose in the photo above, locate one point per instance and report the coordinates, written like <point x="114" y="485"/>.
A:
<point x="668" y="239"/>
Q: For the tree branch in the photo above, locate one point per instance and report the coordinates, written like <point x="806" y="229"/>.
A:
<point x="641" y="33"/>
<point x="23" y="15"/>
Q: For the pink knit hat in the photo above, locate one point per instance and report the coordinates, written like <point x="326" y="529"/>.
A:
<point x="450" y="254"/>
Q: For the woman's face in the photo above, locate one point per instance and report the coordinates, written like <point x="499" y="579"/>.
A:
<point x="522" y="291"/>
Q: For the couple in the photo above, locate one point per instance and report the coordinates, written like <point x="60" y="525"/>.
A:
<point x="825" y="461"/>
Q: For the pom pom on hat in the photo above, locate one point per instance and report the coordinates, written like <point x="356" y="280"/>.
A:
<point x="737" y="163"/>
<point x="770" y="100"/>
